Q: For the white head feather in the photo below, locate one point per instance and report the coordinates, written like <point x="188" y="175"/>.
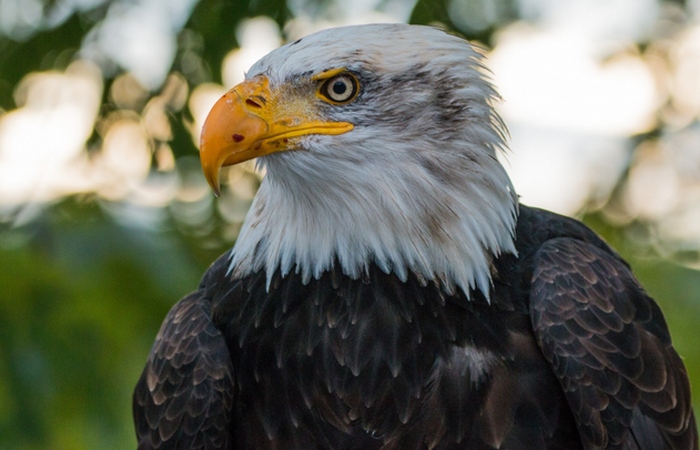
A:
<point x="414" y="187"/>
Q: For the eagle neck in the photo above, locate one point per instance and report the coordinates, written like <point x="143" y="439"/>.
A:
<point x="311" y="214"/>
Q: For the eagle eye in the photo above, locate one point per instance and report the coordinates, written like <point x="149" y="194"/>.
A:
<point x="340" y="89"/>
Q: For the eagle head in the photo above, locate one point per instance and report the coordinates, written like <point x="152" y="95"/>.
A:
<point x="380" y="147"/>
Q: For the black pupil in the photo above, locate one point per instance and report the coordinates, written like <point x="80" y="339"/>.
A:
<point x="339" y="87"/>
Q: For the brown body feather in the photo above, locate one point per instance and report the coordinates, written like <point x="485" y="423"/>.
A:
<point x="570" y="353"/>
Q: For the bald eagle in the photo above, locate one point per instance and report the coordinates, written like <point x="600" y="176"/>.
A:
<point x="388" y="291"/>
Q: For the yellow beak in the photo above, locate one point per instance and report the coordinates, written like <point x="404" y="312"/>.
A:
<point x="251" y="121"/>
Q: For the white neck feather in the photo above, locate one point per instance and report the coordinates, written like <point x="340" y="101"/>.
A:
<point x="310" y="214"/>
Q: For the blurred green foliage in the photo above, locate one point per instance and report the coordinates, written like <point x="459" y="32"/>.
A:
<point x="82" y="298"/>
<point x="82" y="293"/>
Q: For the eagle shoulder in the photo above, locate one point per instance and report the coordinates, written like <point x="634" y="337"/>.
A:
<point x="609" y="346"/>
<point x="184" y="397"/>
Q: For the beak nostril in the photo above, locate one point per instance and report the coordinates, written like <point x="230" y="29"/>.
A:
<point x="255" y="104"/>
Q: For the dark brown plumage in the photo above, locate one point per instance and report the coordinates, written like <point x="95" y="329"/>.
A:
<point x="570" y="354"/>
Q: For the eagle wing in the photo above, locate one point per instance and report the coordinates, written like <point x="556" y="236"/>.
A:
<point x="184" y="397"/>
<point x="608" y="343"/>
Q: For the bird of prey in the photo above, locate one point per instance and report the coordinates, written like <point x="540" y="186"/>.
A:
<point x="388" y="291"/>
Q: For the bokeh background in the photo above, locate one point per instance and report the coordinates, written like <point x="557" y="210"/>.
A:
<point x="106" y="220"/>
